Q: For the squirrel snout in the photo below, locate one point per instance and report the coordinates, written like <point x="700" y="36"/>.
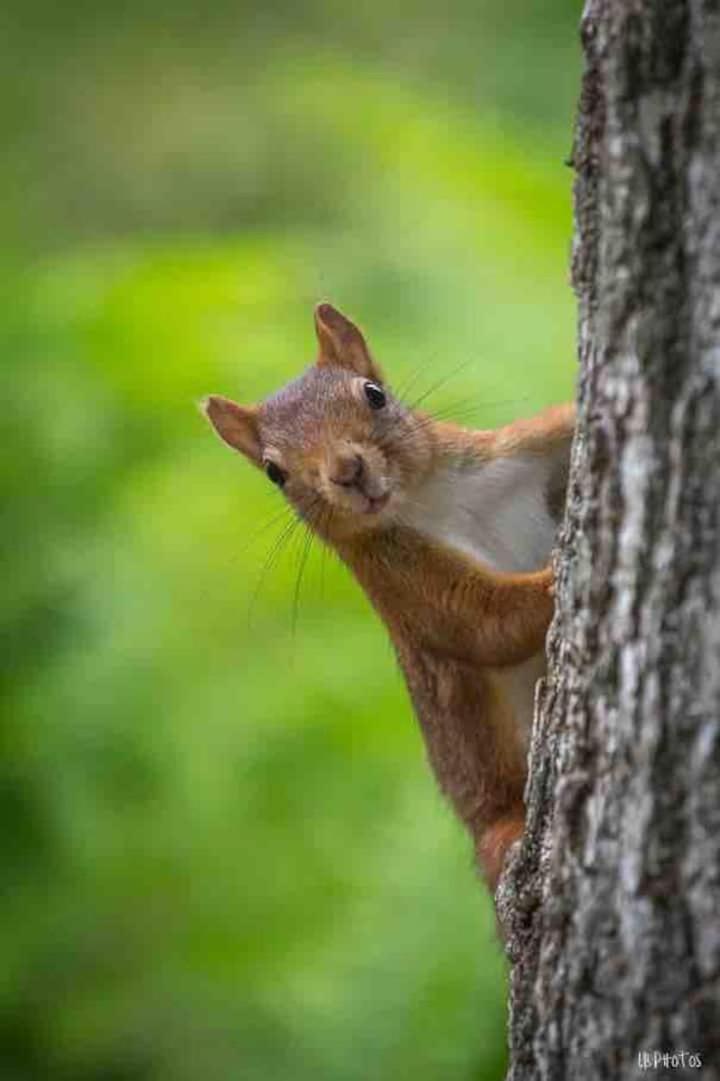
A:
<point x="348" y="471"/>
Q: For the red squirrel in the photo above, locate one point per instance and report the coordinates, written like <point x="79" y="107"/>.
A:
<point x="449" y="532"/>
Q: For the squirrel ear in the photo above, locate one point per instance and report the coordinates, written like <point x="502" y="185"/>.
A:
<point x="342" y="344"/>
<point x="235" y="424"/>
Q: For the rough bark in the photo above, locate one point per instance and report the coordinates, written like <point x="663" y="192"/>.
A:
<point x="612" y="904"/>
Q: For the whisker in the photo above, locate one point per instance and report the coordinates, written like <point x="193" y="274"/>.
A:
<point x="285" y="512"/>
<point x="461" y="410"/>
<point x="318" y="517"/>
<point x="406" y="385"/>
<point x="324" y="524"/>
<point x="426" y="360"/>
<point x="464" y="406"/>
<point x="271" y="559"/>
<point x="307" y="545"/>
<point x="438" y="384"/>
<point x="323" y="563"/>
<point x="416" y="425"/>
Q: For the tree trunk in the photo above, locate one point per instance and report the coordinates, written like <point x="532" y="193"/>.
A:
<point x="612" y="904"/>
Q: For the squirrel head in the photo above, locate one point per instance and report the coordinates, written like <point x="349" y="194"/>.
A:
<point x="343" y="449"/>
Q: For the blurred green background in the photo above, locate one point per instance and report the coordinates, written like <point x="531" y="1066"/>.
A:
<point x="223" y="854"/>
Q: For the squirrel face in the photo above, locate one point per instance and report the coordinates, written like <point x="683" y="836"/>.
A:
<point x="344" y="451"/>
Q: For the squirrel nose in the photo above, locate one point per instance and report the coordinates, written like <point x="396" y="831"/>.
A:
<point x="348" y="470"/>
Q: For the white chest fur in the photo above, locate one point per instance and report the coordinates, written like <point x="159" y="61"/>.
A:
<point x="496" y="511"/>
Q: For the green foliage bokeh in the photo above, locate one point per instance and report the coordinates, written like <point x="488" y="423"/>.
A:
<point x="224" y="856"/>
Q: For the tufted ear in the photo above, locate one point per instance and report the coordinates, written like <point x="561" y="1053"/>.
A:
<point x="342" y="344"/>
<point x="235" y="424"/>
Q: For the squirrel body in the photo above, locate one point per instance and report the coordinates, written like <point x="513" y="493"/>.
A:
<point x="449" y="532"/>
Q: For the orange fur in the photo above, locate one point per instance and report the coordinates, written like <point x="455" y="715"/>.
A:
<point x="469" y="637"/>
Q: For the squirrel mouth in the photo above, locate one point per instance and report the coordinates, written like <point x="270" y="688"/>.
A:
<point x="376" y="503"/>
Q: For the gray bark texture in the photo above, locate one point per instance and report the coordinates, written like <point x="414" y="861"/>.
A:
<point x="611" y="905"/>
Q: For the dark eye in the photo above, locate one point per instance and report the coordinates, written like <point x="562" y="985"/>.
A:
<point x="275" y="474"/>
<point x="375" y="395"/>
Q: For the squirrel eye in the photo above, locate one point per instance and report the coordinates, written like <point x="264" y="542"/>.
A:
<point x="275" y="474"/>
<point x="375" y="395"/>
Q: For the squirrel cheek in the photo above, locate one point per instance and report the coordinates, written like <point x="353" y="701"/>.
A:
<point x="328" y="492"/>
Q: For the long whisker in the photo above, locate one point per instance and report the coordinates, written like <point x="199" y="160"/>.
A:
<point x="318" y="518"/>
<point x="409" y="382"/>
<point x="271" y="559"/>
<point x="421" y="422"/>
<point x="323" y="565"/>
<point x="467" y="405"/>
<point x="438" y="384"/>
<point x="284" y="513"/>
<point x="307" y="545"/>
<point x="411" y="378"/>
<point x="409" y="431"/>
<point x="324" y="524"/>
